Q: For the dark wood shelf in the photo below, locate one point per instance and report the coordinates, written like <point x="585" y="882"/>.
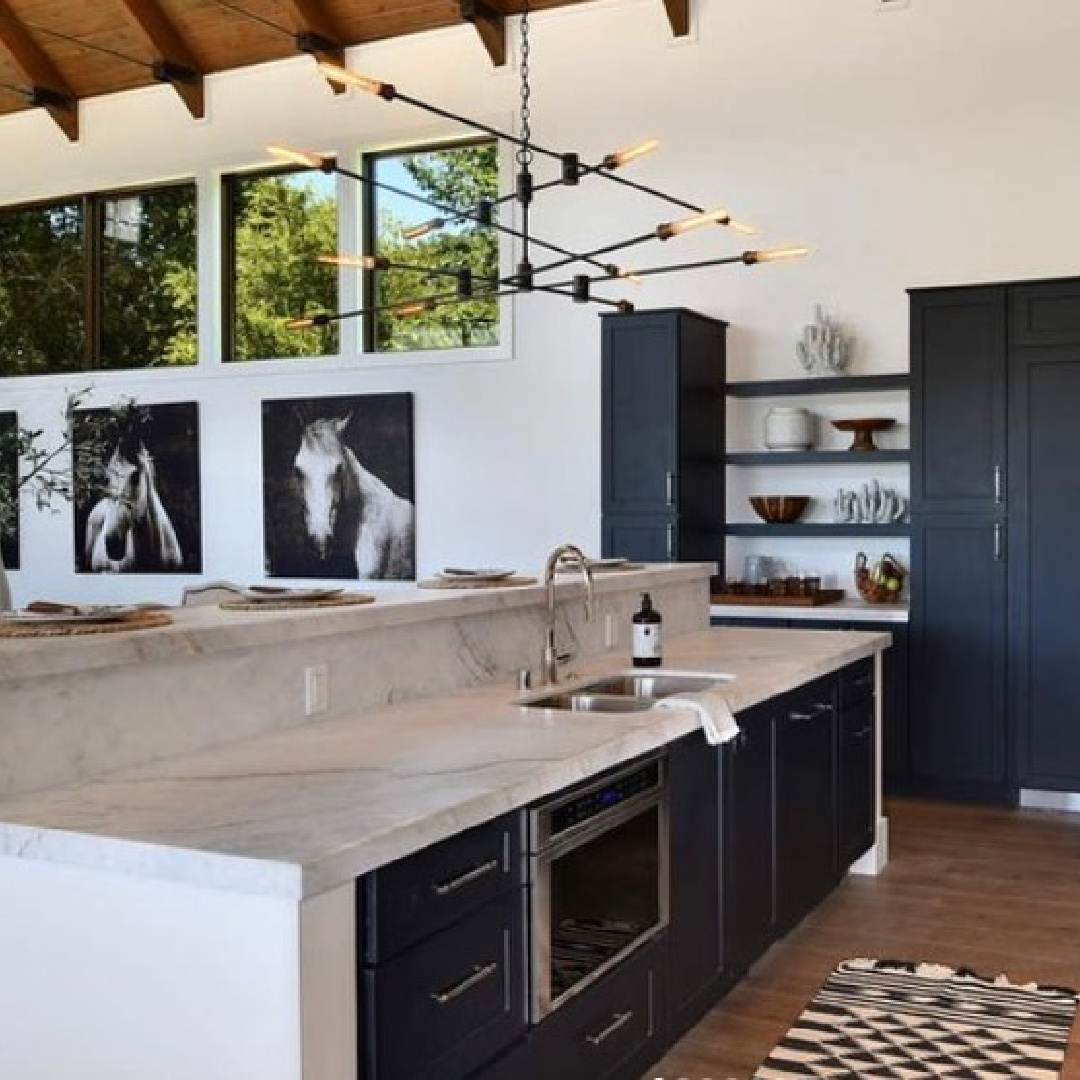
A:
<point x="753" y="528"/>
<point x="817" y="457"/>
<point x="824" y="384"/>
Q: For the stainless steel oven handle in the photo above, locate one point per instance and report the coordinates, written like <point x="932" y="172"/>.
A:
<point x="444" y="888"/>
<point x="620" y="1020"/>
<point x="479" y="974"/>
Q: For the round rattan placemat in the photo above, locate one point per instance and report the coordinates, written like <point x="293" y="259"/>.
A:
<point x="141" y="620"/>
<point x="466" y="583"/>
<point x="344" y="600"/>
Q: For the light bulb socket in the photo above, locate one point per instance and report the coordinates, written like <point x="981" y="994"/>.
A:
<point x="525" y="277"/>
<point x="665" y="230"/>
<point x="571" y="169"/>
<point x="485" y="212"/>
<point x="579" y="289"/>
<point x="524" y="187"/>
<point x="307" y="41"/>
<point x="464" y="283"/>
<point x="625" y="307"/>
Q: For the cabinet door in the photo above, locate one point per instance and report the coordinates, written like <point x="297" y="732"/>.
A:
<point x="748" y="852"/>
<point x="1044" y="566"/>
<point x="612" y="1031"/>
<point x="648" y="538"/>
<point x="694" y="938"/>
<point x="640" y="376"/>
<point x="856" y="802"/>
<point x="958" y="350"/>
<point x="957" y="657"/>
<point x="1045" y="313"/>
<point x="805" y="772"/>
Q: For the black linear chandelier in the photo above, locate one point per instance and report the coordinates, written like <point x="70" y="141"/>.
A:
<point x="528" y="277"/>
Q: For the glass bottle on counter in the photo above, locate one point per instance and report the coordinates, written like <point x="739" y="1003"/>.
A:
<point x="648" y="635"/>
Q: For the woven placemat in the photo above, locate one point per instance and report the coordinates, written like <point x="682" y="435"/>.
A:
<point x="503" y="583"/>
<point x="344" y="600"/>
<point x="141" y="620"/>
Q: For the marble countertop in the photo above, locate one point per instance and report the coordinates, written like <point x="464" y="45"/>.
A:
<point x="845" y="611"/>
<point x="205" y="629"/>
<point x="295" y="813"/>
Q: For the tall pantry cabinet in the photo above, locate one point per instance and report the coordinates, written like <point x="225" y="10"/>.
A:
<point x="995" y="530"/>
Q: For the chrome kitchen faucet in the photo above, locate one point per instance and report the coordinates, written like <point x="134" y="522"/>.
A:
<point x="573" y="558"/>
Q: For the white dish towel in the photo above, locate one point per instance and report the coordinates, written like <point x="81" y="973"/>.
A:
<point x="714" y="712"/>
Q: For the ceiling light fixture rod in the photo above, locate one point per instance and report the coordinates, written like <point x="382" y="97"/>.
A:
<point x="324" y="318"/>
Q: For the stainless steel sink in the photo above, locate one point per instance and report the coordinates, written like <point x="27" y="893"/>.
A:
<point x="653" y="686"/>
<point x="625" y="693"/>
<point x="578" y="701"/>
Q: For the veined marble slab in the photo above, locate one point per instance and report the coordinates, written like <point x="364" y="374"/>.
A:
<point x="294" y="813"/>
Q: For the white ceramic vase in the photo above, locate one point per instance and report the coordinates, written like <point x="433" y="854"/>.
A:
<point x="788" y="428"/>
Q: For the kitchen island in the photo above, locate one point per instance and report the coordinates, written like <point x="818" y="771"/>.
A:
<point x="193" y="915"/>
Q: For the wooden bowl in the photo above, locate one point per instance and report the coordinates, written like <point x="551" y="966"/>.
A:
<point x="780" y="509"/>
<point x="863" y="429"/>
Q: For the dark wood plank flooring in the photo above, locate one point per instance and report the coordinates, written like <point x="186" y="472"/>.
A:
<point x="990" y="889"/>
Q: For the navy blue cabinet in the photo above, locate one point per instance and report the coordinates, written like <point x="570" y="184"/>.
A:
<point x="662" y="441"/>
<point x="695" y="954"/>
<point x="1044" y="524"/>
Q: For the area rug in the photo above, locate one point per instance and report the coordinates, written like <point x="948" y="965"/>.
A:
<point x="881" y="1018"/>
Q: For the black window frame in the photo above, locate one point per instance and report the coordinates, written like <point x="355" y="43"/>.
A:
<point x="229" y="181"/>
<point x="92" y="204"/>
<point x="369" y="231"/>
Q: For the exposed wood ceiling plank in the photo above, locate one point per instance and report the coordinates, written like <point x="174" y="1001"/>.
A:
<point x="52" y="91"/>
<point x="678" y="13"/>
<point x="490" y="24"/>
<point x="319" y="35"/>
<point x="179" y="66"/>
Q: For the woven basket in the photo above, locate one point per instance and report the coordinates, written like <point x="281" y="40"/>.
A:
<point x="882" y="583"/>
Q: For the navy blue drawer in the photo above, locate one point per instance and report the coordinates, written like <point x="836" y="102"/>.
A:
<point x="409" y="900"/>
<point x="443" y="1008"/>
<point x="856" y="683"/>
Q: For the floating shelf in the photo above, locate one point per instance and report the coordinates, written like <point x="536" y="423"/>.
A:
<point x="817" y="457"/>
<point x="825" y="384"/>
<point x="901" y="528"/>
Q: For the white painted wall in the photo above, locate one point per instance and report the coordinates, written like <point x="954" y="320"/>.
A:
<point x="937" y="144"/>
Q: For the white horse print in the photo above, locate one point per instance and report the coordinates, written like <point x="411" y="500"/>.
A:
<point x="347" y="507"/>
<point x="338" y="487"/>
<point x="137" y="498"/>
<point x="129" y="528"/>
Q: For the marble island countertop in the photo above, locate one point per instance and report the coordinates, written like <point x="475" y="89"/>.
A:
<point x="294" y="813"/>
<point x="850" y="609"/>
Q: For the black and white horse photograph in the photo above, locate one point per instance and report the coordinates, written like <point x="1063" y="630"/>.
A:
<point x="137" y="497"/>
<point x="338" y="495"/>
<point x="9" y="490"/>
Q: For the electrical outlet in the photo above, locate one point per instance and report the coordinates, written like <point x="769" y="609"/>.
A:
<point x="611" y="631"/>
<point x="316" y="689"/>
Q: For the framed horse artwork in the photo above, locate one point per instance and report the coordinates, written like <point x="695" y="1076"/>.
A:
<point x="338" y="487"/>
<point x="137" y="498"/>
<point x="9" y="490"/>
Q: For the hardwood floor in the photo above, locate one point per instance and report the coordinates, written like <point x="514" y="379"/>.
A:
<point x="990" y="889"/>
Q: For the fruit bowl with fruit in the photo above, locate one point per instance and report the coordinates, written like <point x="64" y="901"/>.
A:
<point x="881" y="582"/>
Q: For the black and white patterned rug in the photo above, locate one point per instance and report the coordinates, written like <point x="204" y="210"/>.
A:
<point x="878" y="1019"/>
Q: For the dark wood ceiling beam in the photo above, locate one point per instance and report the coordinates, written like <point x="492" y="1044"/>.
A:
<point x="178" y="65"/>
<point x="490" y="24"/>
<point x="319" y="35"/>
<point x="50" y="89"/>
<point x="678" y="13"/>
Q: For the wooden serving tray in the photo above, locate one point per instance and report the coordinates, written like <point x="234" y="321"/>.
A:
<point x="822" y="596"/>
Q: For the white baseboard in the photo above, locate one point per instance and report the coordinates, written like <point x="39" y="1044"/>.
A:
<point x="877" y="858"/>
<point x="1033" y="799"/>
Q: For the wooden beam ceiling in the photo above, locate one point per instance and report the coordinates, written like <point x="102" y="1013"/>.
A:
<point x="678" y="13"/>
<point x="48" y="88"/>
<point x="490" y="24"/>
<point x="319" y="35"/>
<point x="178" y="65"/>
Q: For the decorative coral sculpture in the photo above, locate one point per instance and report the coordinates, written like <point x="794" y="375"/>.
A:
<point x="824" y="347"/>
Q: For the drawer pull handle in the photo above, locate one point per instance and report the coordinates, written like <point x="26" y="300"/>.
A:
<point x="479" y="974"/>
<point x="862" y="732"/>
<point x="817" y="710"/>
<point x="865" y="680"/>
<point x="444" y="888"/>
<point x="620" y="1020"/>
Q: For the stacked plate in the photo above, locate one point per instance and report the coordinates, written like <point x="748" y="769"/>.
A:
<point x="480" y="574"/>
<point x="276" y="594"/>
<point x="50" y="614"/>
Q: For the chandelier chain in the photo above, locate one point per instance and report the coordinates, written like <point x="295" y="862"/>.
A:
<point x="525" y="153"/>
